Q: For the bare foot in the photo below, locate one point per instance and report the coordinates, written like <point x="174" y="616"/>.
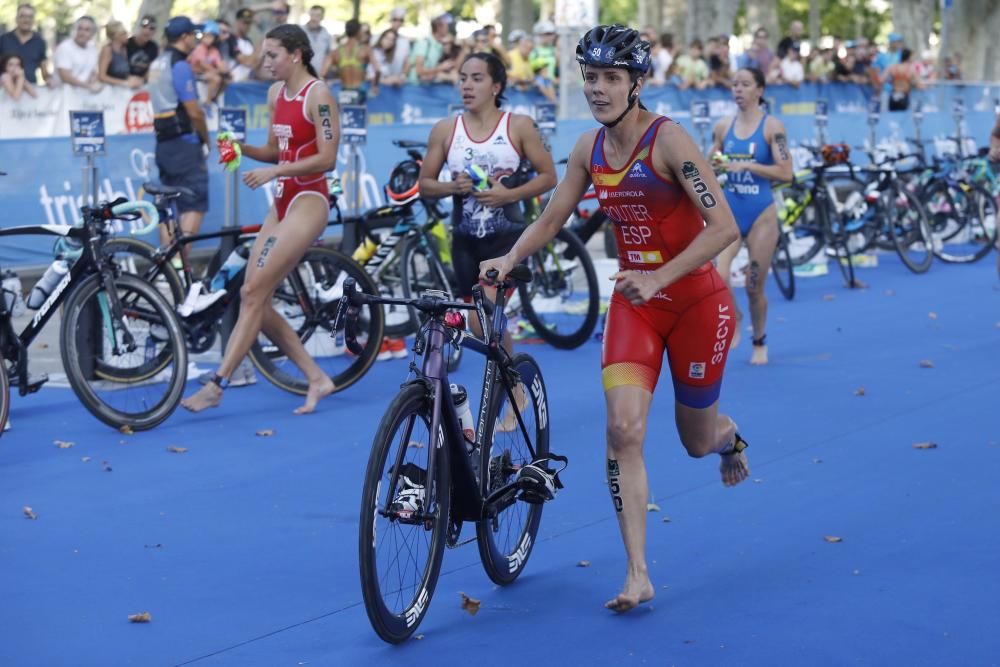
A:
<point x="736" y="337"/>
<point x="759" y="355"/>
<point x="857" y="284"/>
<point x="509" y="421"/>
<point x="208" y="396"/>
<point x="317" y="390"/>
<point x="734" y="468"/>
<point x="638" y="589"/>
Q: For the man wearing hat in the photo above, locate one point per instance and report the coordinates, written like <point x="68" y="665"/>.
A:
<point x="179" y="124"/>
<point x="545" y="47"/>
<point x="885" y="59"/>
<point x="244" y="54"/>
<point x="401" y="52"/>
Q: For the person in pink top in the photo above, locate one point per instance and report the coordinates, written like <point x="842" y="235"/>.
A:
<point x="207" y="62"/>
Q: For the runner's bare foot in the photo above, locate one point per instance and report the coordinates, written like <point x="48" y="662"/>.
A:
<point x="316" y="391"/>
<point x="208" y="396"/>
<point x="736" y="337"/>
<point x="638" y="589"/>
<point x="759" y="355"/>
<point x="734" y="468"/>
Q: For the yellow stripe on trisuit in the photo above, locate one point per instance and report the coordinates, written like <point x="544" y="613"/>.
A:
<point x="612" y="180"/>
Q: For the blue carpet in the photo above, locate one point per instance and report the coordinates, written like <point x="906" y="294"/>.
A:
<point x="243" y="548"/>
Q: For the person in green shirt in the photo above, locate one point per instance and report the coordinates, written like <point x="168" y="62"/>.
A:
<point x="545" y="48"/>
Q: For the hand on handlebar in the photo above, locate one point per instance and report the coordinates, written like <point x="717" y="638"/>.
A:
<point x="502" y="265"/>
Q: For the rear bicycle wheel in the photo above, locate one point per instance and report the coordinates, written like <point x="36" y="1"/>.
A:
<point x="963" y="221"/>
<point x="836" y="237"/>
<point x="138" y="388"/>
<point x="506" y="539"/>
<point x="400" y="557"/>
<point x="422" y="270"/>
<point x="782" y="267"/>
<point x="307" y="300"/>
<point x="910" y="232"/>
<point x="4" y="395"/>
<point x="562" y="301"/>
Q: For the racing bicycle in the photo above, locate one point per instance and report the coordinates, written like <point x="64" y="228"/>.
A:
<point x="419" y="489"/>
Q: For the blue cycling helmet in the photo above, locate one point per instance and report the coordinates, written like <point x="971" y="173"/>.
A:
<point x="615" y="46"/>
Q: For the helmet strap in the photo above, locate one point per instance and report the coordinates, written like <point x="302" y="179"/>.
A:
<point x="632" y="99"/>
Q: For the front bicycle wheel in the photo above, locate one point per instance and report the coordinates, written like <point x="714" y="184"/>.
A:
<point x="137" y="257"/>
<point x="403" y="523"/>
<point x="307" y="300"/>
<point x="836" y="237"/>
<point x="507" y="538"/>
<point x="782" y="267"/>
<point x="562" y="301"/>
<point x="911" y="232"/>
<point x="137" y="385"/>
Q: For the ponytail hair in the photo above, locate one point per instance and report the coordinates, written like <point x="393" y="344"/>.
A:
<point x="294" y="38"/>
<point x="496" y="69"/>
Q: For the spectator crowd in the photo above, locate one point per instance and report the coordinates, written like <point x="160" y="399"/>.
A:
<point x="94" y="56"/>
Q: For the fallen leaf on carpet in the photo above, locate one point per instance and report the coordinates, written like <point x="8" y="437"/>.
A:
<point x="666" y="519"/>
<point x="817" y="460"/>
<point x="126" y="429"/>
<point x="418" y="636"/>
<point x="860" y="391"/>
<point x="84" y="458"/>
<point x="105" y="466"/>
<point x="265" y="432"/>
<point x="63" y="444"/>
<point x="174" y="449"/>
<point x="144" y="617"/>
<point x="583" y="563"/>
<point x="833" y="538"/>
<point x="29" y="513"/>
<point x="829" y="297"/>
<point x="925" y="445"/>
<point x="652" y="507"/>
<point x="757" y="480"/>
<point x="890" y="292"/>
<point x="153" y="546"/>
<point x="932" y="315"/>
<point x="926" y="363"/>
<point x="471" y="605"/>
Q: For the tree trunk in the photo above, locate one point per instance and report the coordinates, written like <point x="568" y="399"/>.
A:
<point x="158" y="8"/>
<point x="517" y="15"/>
<point x="974" y="27"/>
<point x="764" y="14"/>
<point x="814" y="31"/>
<point x="707" y="18"/>
<point x="651" y="13"/>
<point x="673" y="19"/>
<point x="912" y="19"/>
<point x="228" y="8"/>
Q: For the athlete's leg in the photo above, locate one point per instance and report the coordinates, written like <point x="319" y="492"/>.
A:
<point x="761" y="242"/>
<point x="631" y="359"/>
<point x="705" y="431"/>
<point x="724" y="265"/>
<point x="628" y="411"/>
<point x="277" y="250"/>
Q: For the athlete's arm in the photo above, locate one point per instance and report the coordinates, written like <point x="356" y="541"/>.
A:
<point x="675" y="153"/>
<point x="269" y="151"/>
<point x="781" y="170"/>
<point x="525" y="136"/>
<point x="186" y="94"/>
<point x="322" y="110"/>
<point x="995" y="141"/>
<point x="574" y="185"/>
<point x="430" y="168"/>
<point x="718" y="136"/>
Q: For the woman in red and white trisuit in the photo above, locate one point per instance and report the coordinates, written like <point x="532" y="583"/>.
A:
<point x="302" y="144"/>
<point x="670" y="220"/>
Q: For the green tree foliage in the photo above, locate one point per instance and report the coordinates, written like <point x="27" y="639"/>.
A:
<point x="619" y="11"/>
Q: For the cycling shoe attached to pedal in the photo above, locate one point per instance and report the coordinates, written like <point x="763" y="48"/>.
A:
<point x="537" y="482"/>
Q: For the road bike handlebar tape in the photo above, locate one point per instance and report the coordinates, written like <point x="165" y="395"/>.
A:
<point x="147" y="210"/>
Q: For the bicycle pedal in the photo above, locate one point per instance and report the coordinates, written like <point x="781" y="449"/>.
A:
<point x="35" y="383"/>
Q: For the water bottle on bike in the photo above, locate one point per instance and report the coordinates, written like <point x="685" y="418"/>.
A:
<point x="198" y="299"/>
<point x="47" y="283"/>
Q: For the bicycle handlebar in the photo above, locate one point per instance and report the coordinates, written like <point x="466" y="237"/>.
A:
<point x="123" y="209"/>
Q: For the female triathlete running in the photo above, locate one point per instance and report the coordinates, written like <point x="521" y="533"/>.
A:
<point x="489" y="144"/>
<point x="302" y="143"/>
<point x="670" y="220"/>
<point x="755" y="147"/>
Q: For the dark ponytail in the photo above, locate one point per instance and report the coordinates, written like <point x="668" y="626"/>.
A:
<point x="759" y="79"/>
<point x="496" y="69"/>
<point x="294" y="38"/>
